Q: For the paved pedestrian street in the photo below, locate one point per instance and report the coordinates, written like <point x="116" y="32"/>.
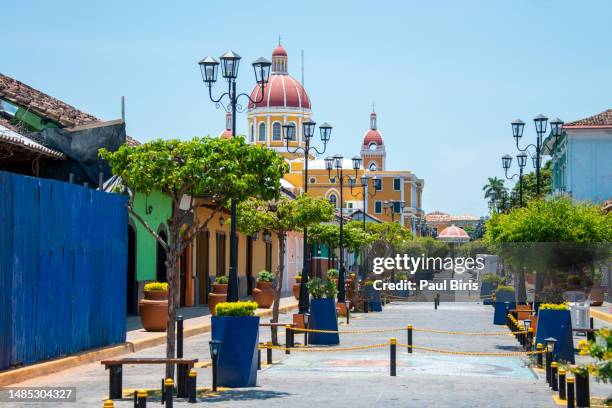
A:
<point x="357" y="378"/>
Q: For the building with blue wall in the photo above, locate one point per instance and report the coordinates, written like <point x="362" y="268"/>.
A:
<point x="582" y="159"/>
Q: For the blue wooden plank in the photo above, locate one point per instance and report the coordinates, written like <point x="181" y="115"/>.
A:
<point x="63" y="260"/>
<point x="6" y="270"/>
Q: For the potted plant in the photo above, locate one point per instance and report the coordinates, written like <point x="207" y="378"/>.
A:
<point x="219" y="293"/>
<point x="323" y="312"/>
<point x="263" y="294"/>
<point x="488" y="284"/>
<point x="154" y="307"/>
<point x="332" y="275"/>
<point x="554" y="320"/>
<point x="237" y="328"/>
<point x="372" y="296"/>
<point x="504" y="302"/>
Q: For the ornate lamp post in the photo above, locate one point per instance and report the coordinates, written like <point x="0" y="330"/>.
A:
<point x="230" y="62"/>
<point x="336" y="163"/>
<point x="365" y="189"/>
<point x="308" y="129"/>
<point x="540" y="121"/>
<point x="391" y="205"/>
<point x="521" y="159"/>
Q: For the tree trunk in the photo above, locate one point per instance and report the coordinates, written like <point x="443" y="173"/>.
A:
<point x="278" y="281"/>
<point x="173" y="290"/>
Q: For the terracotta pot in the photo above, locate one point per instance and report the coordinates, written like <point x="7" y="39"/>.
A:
<point x="214" y="299"/>
<point x="296" y="291"/>
<point x="220" y="287"/>
<point x="298" y="278"/>
<point x="154" y="314"/>
<point x="597" y="295"/>
<point x="263" y="294"/>
<point x="341" y="309"/>
<point x="156" y="294"/>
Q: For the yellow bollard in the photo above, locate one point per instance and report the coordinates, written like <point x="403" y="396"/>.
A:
<point x="393" y="356"/>
<point x="539" y="356"/>
<point x="109" y="404"/>
<point x="192" y="385"/>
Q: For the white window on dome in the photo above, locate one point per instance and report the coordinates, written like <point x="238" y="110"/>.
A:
<point x="373" y="166"/>
<point x="276" y="131"/>
<point x="372" y="146"/>
<point x="262" y="132"/>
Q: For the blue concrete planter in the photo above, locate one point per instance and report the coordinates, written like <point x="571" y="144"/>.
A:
<point x="323" y="317"/>
<point x="504" y="301"/>
<point x="556" y="324"/>
<point x="239" y="336"/>
<point x="500" y="317"/>
<point x="486" y="290"/>
<point x="402" y="293"/>
<point x="373" y="296"/>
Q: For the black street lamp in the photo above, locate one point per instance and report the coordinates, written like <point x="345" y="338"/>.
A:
<point x="393" y="205"/>
<point x="230" y="61"/>
<point x="336" y="163"/>
<point x="365" y="190"/>
<point x="540" y="121"/>
<point x="365" y="193"/>
<point x="308" y="129"/>
<point x="521" y="159"/>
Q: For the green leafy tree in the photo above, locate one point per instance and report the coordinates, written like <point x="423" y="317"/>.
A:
<point x="529" y="184"/>
<point x="543" y="236"/>
<point x="281" y="216"/>
<point x="215" y="170"/>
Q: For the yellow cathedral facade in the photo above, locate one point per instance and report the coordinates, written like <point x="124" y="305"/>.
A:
<point x="391" y="195"/>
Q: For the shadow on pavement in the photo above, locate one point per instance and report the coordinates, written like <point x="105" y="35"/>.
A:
<point x="243" y="395"/>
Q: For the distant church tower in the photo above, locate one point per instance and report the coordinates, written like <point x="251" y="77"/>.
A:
<point x="373" y="152"/>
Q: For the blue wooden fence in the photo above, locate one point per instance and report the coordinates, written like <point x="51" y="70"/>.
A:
<point x="63" y="260"/>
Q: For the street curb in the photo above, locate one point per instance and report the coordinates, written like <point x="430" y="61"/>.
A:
<point x="598" y="314"/>
<point x="90" y="356"/>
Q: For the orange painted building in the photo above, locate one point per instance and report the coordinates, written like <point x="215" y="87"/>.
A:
<point x="285" y="101"/>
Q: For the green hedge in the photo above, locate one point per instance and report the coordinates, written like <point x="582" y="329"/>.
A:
<point x="236" y="308"/>
<point x="222" y="280"/>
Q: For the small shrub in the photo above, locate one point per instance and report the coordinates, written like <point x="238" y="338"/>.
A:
<point x="368" y="283"/>
<point x="332" y="273"/>
<point x="156" y="286"/>
<point x="492" y="278"/>
<point x="551" y="295"/>
<point x="265" y="276"/>
<point x="320" y="290"/>
<point x="504" y="288"/>
<point x="222" y="280"/>
<point x="600" y="350"/>
<point x="236" y="308"/>
<point x="401" y="276"/>
<point x="331" y="291"/>
<point x="554" y="306"/>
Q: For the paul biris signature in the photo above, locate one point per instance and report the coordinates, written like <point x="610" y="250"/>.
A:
<point x="446" y="285"/>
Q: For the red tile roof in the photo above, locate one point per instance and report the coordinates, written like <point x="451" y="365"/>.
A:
<point x="601" y="120"/>
<point x="47" y="106"/>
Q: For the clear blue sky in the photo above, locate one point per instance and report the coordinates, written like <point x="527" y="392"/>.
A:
<point x="447" y="76"/>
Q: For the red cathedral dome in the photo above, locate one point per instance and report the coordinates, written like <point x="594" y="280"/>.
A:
<point x="282" y="90"/>
<point x="373" y="134"/>
<point x="279" y="51"/>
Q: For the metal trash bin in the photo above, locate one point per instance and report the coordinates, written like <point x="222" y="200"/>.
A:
<point x="580" y="314"/>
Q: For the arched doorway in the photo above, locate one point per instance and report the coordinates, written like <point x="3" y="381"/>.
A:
<point x="132" y="286"/>
<point x="161" y="274"/>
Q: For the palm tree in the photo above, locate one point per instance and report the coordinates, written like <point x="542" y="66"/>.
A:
<point x="494" y="189"/>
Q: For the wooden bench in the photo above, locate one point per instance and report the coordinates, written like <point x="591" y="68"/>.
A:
<point x="115" y="384"/>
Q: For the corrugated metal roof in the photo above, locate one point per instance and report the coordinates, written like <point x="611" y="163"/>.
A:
<point x="9" y="136"/>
